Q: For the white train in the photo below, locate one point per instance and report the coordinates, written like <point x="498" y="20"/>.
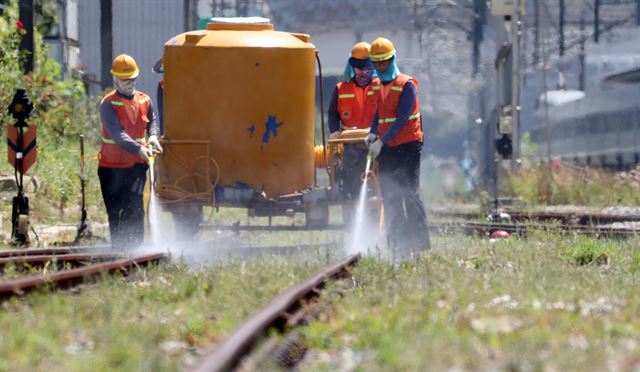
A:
<point x="601" y="129"/>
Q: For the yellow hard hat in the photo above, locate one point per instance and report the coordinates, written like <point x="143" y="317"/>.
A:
<point x="360" y="50"/>
<point x="382" y="49"/>
<point x="124" y="67"/>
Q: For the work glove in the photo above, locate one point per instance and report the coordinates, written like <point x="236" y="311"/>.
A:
<point x="375" y="148"/>
<point x="371" y="137"/>
<point x="145" y="153"/>
<point x="334" y="135"/>
<point x="155" y="144"/>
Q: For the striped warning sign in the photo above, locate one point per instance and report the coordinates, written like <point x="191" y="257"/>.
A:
<point x="22" y="155"/>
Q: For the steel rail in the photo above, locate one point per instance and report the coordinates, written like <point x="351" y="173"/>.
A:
<point x="67" y="277"/>
<point x="226" y="355"/>
<point x="51" y="251"/>
<point x="271" y="228"/>
<point x="279" y="247"/>
<point x="481" y="227"/>
<point x="584" y="217"/>
<point x="39" y="260"/>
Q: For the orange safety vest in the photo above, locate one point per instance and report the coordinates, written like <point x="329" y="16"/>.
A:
<point x="356" y="105"/>
<point x="388" y="111"/>
<point x="133" y="115"/>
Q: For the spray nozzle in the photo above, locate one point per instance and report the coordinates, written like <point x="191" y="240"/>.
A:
<point x="152" y="157"/>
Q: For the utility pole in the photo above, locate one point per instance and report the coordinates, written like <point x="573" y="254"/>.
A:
<point x="189" y="12"/>
<point x="582" y="52"/>
<point x="516" y="42"/>
<point x="106" y="41"/>
<point x="476" y="98"/>
<point x="638" y="12"/>
<point x="476" y="39"/>
<point x="27" y="43"/>
<point x="561" y="28"/>
<point x="596" y="21"/>
<point x="536" y="32"/>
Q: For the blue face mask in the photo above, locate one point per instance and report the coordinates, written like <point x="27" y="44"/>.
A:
<point x="352" y="63"/>
<point x="391" y="72"/>
<point x="363" y="77"/>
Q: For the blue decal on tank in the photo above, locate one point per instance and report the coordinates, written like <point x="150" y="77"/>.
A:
<point x="271" y="127"/>
<point x="251" y="129"/>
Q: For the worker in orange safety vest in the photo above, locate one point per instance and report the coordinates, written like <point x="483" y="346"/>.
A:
<point x="395" y="140"/>
<point x="353" y="105"/>
<point x="127" y="118"/>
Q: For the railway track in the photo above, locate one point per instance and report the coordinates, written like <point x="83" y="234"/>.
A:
<point x="100" y="263"/>
<point x="486" y="228"/>
<point x="51" y="251"/>
<point x="290" y="308"/>
<point x="580" y="218"/>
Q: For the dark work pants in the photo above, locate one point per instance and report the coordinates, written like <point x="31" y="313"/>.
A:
<point x="404" y="214"/>
<point x="122" y="192"/>
<point x="354" y="162"/>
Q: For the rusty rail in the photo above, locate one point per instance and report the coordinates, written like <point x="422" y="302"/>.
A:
<point x="522" y="228"/>
<point x="51" y="251"/>
<point x="583" y="217"/>
<point x="39" y="260"/>
<point x="226" y="355"/>
<point x="72" y="276"/>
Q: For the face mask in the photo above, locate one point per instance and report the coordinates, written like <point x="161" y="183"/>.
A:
<point x="363" y="77"/>
<point x="125" y="87"/>
<point x="391" y="72"/>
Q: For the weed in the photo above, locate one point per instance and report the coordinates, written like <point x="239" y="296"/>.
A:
<point x="124" y="324"/>
<point x="472" y="304"/>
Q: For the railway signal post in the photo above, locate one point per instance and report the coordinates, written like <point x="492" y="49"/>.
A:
<point x="22" y="155"/>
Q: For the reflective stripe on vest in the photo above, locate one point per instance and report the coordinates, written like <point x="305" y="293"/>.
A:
<point x="388" y="113"/>
<point x="108" y="140"/>
<point x="357" y="105"/>
<point x="392" y="120"/>
<point x="346" y="96"/>
<point x="133" y="119"/>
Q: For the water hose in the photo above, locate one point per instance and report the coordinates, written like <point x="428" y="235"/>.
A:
<point x="175" y="193"/>
<point x="324" y="140"/>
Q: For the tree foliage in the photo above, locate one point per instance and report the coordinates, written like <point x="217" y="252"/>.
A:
<point x="62" y="111"/>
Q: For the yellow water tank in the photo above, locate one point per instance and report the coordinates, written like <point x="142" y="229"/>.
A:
<point x="243" y="96"/>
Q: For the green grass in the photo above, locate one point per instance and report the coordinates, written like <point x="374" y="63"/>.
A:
<point x="156" y="321"/>
<point x="572" y="185"/>
<point x="545" y="303"/>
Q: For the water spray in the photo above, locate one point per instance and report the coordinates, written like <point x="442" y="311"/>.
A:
<point x="356" y="239"/>
<point x="154" y="212"/>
